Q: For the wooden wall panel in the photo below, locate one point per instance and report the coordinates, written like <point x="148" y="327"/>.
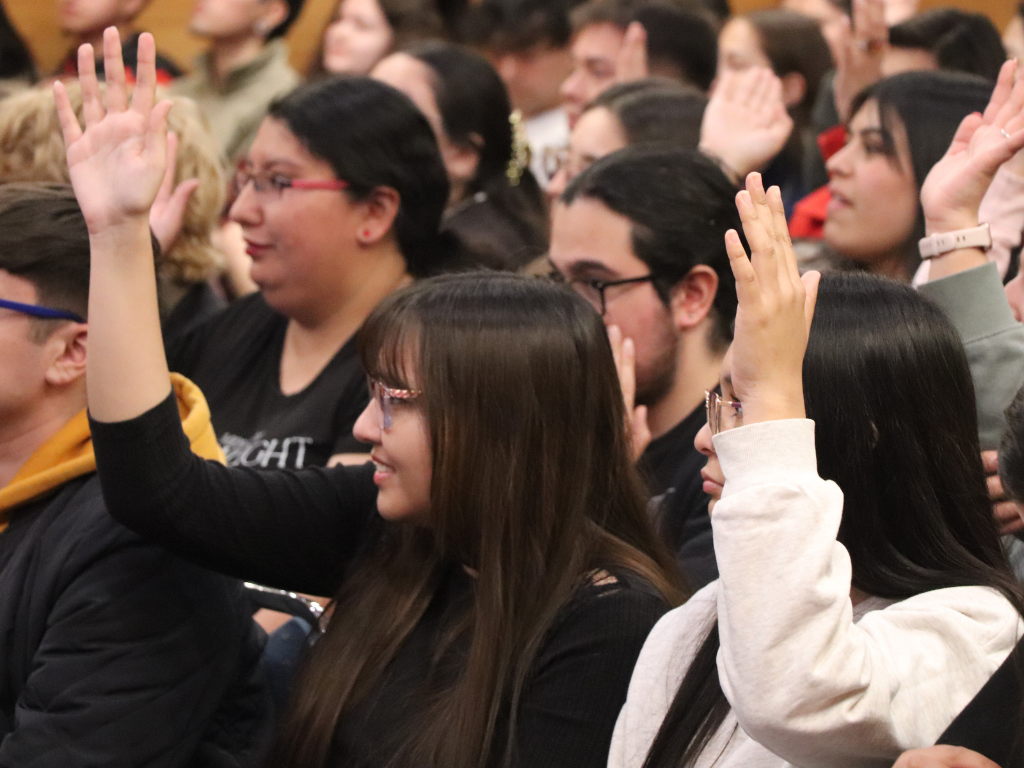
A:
<point x="168" y="20"/>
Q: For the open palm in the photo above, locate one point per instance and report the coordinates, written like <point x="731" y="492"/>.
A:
<point x="118" y="162"/>
<point x="956" y="184"/>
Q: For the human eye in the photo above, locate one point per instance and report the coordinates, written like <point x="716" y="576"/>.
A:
<point x="278" y="182"/>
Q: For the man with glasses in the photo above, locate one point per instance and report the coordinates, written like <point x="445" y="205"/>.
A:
<point x="114" y="652"/>
<point x="640" y="235"/>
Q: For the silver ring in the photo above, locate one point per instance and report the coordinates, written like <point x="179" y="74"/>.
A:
<point x="1005" y="134"/>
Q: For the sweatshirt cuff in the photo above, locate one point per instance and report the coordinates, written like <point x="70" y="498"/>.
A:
<point x="974" y="301"/>
<point x="766" y="453"/>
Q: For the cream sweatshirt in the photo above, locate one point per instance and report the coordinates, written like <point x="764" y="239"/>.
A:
<point x="811" y="682"/>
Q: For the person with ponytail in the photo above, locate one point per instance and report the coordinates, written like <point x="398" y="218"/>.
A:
<point x="496" y="208"/>
<point x="495" y="570"/>
<point x="863" y="598"/>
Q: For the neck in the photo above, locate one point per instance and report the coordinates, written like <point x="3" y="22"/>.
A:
<point x="312" y="339"/>
<point x="892" y="265"/>
<point x="95" y="38"/>
<point x="21" y="437"/>
<point x="697" y="370"/>
<point x="229" y="54"/>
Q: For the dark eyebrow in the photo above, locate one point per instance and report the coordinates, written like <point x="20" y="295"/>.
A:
<point x="588" y="265"/>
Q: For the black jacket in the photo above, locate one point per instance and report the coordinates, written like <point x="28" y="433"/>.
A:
<point x="114" y="653"/>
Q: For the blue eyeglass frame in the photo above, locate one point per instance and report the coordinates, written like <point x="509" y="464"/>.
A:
<point x="36" y="310"/>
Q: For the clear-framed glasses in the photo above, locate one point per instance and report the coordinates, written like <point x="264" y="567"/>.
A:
<point x="37" y="310"/>
<point x="594" y="290"/>
<point x="270" y="186"/>
<point x="386" y="397"/>
<point x="554" y="159"/>
<point x="722" y="414"/>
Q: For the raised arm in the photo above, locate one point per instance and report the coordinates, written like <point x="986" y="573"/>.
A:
<point x="117" y="165"/>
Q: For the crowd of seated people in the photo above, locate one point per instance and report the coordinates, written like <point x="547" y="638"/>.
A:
<point x="556" y="383"/>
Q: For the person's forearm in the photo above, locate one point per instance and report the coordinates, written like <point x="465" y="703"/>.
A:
<point x="127" y="369"/>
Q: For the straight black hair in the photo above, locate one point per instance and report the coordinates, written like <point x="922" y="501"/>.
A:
<point x="959" y="40"/>
<point x="374" y="136"/>
<point x="682" y="41"/>
<point x="656" y="111"/>
<point x="476" y="112"/>
<point x="15" y="58"/>
<point x="681" y="205"/>
<point x="930" y="107"/>
<point x="511" y="26"/>
<point x="888" y="385"/>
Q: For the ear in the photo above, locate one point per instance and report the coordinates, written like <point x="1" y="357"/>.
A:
<point x="462" y="160"/>
<point x="377" y="215"/>
<point x="693" y="296"/>
<point x="273" y="14"/>
<point x="794" y="87"/>
<point x="66" y="351"/>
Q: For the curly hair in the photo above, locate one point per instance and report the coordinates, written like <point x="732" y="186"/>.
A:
<point x="32" y="149"/>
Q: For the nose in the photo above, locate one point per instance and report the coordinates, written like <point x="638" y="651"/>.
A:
<point x="702" y="442"/>
<point x="246" y="209"/>
<point x="367" y="426"/>
<point x="840" y="163"/>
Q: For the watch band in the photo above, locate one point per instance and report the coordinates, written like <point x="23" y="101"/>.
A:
<point x="936" y="245"/>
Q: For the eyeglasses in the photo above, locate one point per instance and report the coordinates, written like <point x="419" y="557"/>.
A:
<point x="594" y="290"/>
<point x="722" y="414"/>
<point x="556" y="159"/>
<point x="46" y="313"/>
<point x="386" y="397"/>
<point x="270" y="186"/>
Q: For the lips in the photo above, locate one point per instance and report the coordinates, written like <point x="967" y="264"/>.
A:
<point x="382" y="470"/>
<point x="837" y="199"/>
<point x="711" y="486"/>
<point x="255" y="250"/>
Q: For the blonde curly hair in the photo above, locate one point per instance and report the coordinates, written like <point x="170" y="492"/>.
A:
<point x="32" y="149"/>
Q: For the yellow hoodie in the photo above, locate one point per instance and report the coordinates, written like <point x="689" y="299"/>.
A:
<point x="69" y="454"/>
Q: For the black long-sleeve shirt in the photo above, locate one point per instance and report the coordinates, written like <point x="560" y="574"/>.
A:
<point x="301" y="530"/>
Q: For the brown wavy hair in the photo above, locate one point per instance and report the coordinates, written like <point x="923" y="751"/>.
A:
<point x="533" y="487"/>
<point x="32" y="149"/>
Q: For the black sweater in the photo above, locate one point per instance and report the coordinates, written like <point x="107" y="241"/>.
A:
<point x="301" y="530"/>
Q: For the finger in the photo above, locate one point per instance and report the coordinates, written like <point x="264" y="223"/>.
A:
<point x="990" y="157"/>
<point x="990" y="461"/>
<point x="811" y="281"/>
<point x="1013" y="104"/>
<point x="773" y="102"/>
<point x="628" y="375"/>
<point x="1001" y="93"/>
<point x="156" y="133"/>
<point x="787" y="257"/>
<point x="182" y="193"/>
<point x="995" y="488"/>
<point x="113" y="66"/>
<point x="742" y="270"/>
<point x="965" y="132"/>
<point x="145" y="75"/>
<point x="1008" y="517"/>
<point x="877" y="31"/>
<point x="860" y="20"/>
<point x="762" y="90"/>
<point x="641" y="432"/>
<point x="68" y="120"/>
<point x="92" y="103"/>
<point x="615" y="340"/>
<point x="167" y="185"/>
<point x="729" y="85"/>
<point x="747" y="90"/>
<point x="755" y="223"/>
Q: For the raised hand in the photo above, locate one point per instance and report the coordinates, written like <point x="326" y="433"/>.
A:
<point x="953" y="191"/>
<point x="118" y="162"/>
<point x="167" y="214"/>
<point x="636" y="415"/>
<point x="775" y="309"/>
<point x="746" y="123"/>
<point x="631" y="62"/>
<point x="860" y="50"/>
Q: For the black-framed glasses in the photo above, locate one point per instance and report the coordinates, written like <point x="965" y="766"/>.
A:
<point x="594" y="290"/>
<point x="722" y="414"/>
<point x="37" y="310"/>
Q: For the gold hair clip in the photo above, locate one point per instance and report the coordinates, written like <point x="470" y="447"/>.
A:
<point x="520" y="149"/>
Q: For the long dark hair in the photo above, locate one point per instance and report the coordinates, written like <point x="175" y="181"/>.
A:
<point x="15" y="58"/>
<point x="887" y="383"/>
<point x="475" y="109"/>
<point x="930" y="106"/>
<point x="373" y="136"/>
<point x="533" y="486"/>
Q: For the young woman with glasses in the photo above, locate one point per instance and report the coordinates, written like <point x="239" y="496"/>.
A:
<point x="339" y="201"/>
<point x="864" y="597"/>
<point x="495" y="569"/>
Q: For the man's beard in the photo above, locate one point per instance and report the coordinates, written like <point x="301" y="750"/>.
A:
<point x="655" y="379"/>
